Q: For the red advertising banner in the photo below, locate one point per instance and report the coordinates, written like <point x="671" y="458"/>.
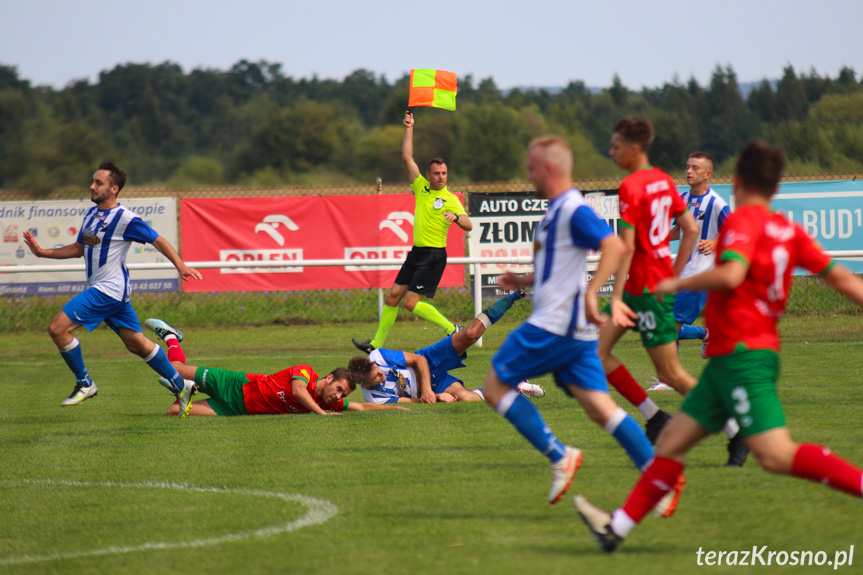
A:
<point x="303" y="228"/>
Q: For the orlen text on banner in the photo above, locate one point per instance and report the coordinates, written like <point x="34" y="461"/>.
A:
<point x="289" y="229"/>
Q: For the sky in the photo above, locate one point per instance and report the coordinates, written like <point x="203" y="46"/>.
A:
<point x="536" y="43"/>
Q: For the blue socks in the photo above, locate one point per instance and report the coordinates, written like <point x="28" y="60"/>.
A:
<point x="158" y="362"/>
<point x="73" y="357"/>
<point x="691" y="332"/>
<point x="524" y="416"/>
<point x="496" y="310"/>
<point x="631" y="437"/>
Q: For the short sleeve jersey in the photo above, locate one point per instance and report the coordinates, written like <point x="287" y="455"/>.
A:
<point x="648" y="202"/>
<point x="771" y="247"/>
<point x="107" y="236"/>
<point x="273" y="394"/>
<point x="400" y="379"/>
<point x="430" y="227"/>
<point x="562" y="243"/>
<point x="710" y="212"/>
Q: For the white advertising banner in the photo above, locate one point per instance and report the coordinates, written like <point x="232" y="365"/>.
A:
<point x="55" y="223"/>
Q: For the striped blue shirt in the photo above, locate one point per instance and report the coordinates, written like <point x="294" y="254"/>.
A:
<point x="710" y="211"/>
<point x="107" y="236"/>
<point x="400" y="379"/>
<point x="563" y="241"/>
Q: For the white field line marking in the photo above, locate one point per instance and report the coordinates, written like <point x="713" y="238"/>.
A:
<point x="319" y="512"/>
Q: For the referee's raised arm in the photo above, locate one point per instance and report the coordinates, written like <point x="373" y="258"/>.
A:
<point x="408" y="148"/>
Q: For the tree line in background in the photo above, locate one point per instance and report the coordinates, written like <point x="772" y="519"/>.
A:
<point x="253" y="125"/>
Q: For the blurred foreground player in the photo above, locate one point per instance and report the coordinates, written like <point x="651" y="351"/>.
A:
<point x="758" y="251"/>
<point x="560" y="337"/>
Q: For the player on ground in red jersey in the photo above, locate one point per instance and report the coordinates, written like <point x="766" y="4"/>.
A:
<point x="648" y="203"/>
<point x="758" y="251"/>
<point x="297" y="389"/>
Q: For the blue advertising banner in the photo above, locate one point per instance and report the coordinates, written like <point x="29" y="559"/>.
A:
<point x="830" y="212"/>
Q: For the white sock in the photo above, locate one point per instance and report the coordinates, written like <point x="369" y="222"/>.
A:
<point x="153" y="353"/>
<point x="72" y="344"/>
<point x="731" y="428"/>
<point x="622" y="523"/>
<point x="479" y="393"/>
<point x="615" y="420"/>
<point x="648" y="408"/>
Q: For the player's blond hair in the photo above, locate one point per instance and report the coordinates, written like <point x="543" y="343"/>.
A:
<point x="556" y="151"/>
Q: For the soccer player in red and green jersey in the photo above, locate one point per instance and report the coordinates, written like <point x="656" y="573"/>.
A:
<point x="758" y="251"/>
<point x="648" y="203"/>
<point x="297" y="389"/>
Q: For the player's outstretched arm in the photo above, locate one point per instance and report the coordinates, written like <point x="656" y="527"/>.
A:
<point x="408" y="148"/>
<point x="689" y="228"/>
<point x="167" y="250"/>
<point x="300" y="390"/>
<point x="509" y="281"/>
<point x="612" y="249"/>
<point x="621" y="314"/>
<point x="842" y="280"/>
<point x="355" y="406"/>
<point x="75" y="250"/>
<point x="421" y="367"/>
<point x="727" y="275"/>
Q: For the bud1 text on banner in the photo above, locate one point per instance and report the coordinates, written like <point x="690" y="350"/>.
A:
<point x="435" y="88"/>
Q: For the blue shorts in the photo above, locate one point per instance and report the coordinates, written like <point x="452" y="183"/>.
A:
<point x="442" y="357"/>
<point x="688" y="306"/>
<point x="530" y="351"/>
<point x="91" y="307"/>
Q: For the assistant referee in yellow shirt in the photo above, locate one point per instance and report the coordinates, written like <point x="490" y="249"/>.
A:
<point x="435" y="209"/>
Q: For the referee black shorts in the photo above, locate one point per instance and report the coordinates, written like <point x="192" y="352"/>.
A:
<point x="423" y="270"/>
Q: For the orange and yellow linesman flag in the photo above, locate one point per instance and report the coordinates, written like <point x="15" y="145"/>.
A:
<point x="436" y="88"/>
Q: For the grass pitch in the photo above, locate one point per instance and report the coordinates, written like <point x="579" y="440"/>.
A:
<point x="114" y="486"/>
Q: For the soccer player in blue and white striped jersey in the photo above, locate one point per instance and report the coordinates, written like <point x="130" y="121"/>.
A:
<point x="710" y="211"/>
<point x="106" y="234"/>
<point x="560" y="337"/>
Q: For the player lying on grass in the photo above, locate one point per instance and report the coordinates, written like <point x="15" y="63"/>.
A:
<point x="758" y="251"/>
<point x="391" y="376"/>
<point x="297" y="389"/>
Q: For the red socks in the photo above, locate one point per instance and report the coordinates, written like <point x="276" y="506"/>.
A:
<point x="624" y="383"/>
<point x="817" y="463"/>
<point x="175" y="352"/>
<point x="654" y="483"/>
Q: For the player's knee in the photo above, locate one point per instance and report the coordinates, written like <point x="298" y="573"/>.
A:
<point x="774" y="461"/>
<point x="474" y="331"/>
<point x="56" y="330"/>
<point x="173" y="410"/>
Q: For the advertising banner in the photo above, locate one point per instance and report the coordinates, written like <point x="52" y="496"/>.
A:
<point x="830" y="212"/>
<point x="284" y="230"/>
<point x="56" y="223"/>
<point x="504" y="226"/>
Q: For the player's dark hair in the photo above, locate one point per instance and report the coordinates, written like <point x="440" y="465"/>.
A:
<point x="343" y="373"/>
<point x="118" y="176"/>
<point x="636" y="131"/>
<point x="361" y="369"/>
<point x="434" y="161"/>
<point x="703" y="156"/>
<point x="759" y="167"/>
